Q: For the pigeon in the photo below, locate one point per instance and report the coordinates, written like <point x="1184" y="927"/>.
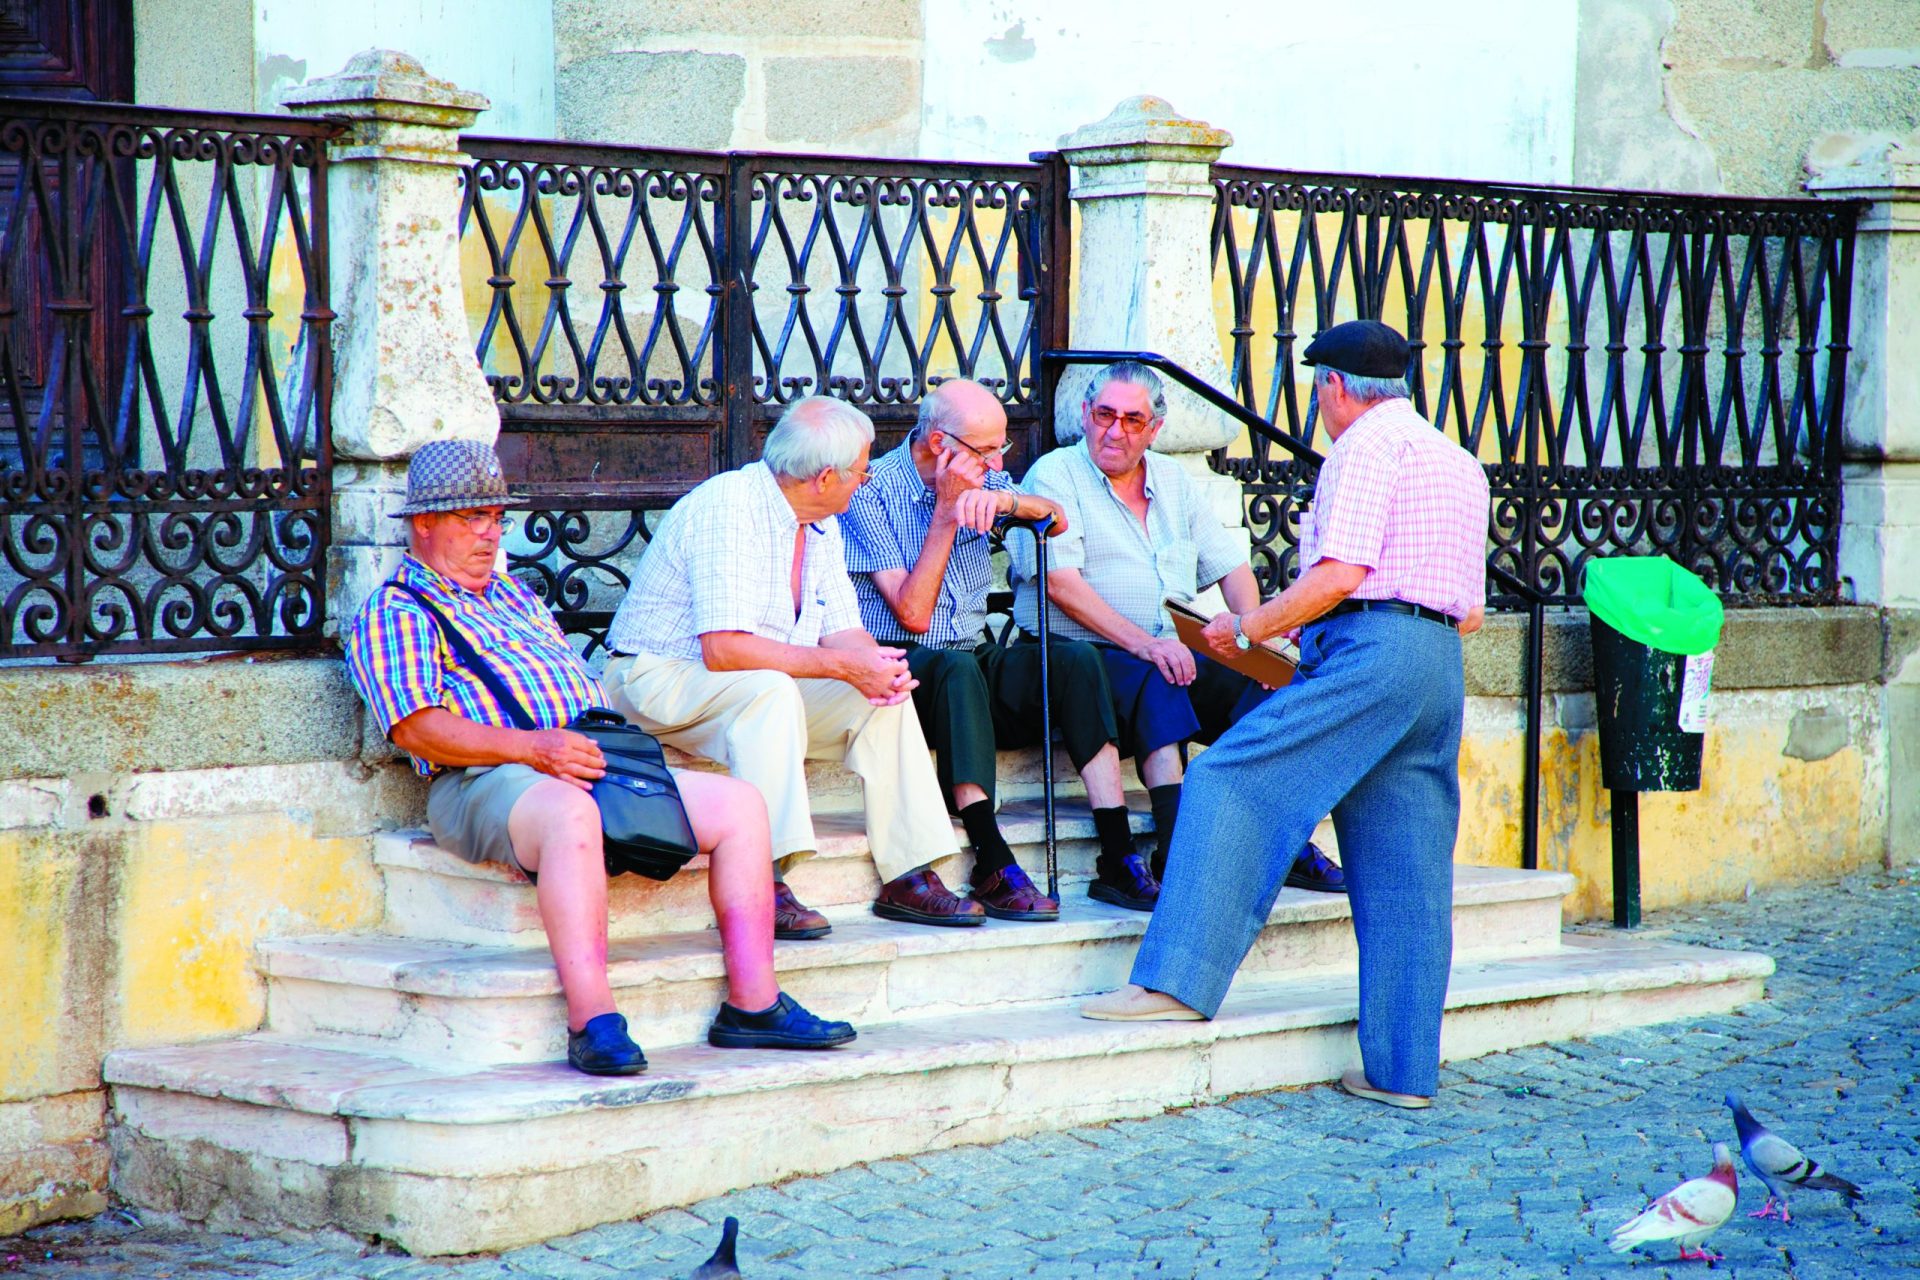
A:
<point x="721" y="1266"/>
<point x="1687" y="1214"/>
<point x="1774" y="1161"/>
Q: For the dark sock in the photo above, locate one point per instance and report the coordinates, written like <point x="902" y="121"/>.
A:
<point x="990" y="851"/>
<point x="1166" y="808"/>
<point x="1116" y="838"/>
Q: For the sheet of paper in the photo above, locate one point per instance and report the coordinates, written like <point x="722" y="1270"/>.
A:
<point x="1695" y="682"/>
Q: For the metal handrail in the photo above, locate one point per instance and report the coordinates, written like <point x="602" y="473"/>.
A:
<point x="1536" y="599"/>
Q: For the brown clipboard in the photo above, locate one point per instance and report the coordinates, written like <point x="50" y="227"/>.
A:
<point x="1266" y="662"/>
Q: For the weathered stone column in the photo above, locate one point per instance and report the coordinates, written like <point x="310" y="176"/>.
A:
<point x="404" y="367"/>
<point x="1880" y="516"/>
<point x="1143" y="279"/>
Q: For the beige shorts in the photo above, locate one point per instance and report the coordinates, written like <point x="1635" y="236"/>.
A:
<point x="467" y="810"/>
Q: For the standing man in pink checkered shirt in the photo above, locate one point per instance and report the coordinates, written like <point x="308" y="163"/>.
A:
<point x="1394" y="573"/>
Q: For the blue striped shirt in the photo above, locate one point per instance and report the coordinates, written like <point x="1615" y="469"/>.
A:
<point x="886" y="527"/>
<point x="401" y="663"/>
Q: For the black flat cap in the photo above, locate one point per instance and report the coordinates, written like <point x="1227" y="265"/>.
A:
<point x="1363" y="348"/>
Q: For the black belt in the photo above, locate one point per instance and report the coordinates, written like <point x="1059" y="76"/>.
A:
<point x="1393" y="606"/>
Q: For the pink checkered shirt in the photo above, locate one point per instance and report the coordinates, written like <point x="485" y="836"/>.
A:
<point x="1400" y="498"/>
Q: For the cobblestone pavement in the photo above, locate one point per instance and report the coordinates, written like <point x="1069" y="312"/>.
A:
<point x="1523" y="1167"/>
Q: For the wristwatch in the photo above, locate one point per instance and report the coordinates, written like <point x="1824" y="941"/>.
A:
<point x="1239" y="636"/>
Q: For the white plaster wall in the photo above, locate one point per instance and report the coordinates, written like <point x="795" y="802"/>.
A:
<point x="502" y="48"/>
<point x="1466" y="89"/>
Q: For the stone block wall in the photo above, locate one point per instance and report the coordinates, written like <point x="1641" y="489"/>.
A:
<point x="837" y="75"/>
<point x="156" y="821"/>
<point x="1739" y="96"/>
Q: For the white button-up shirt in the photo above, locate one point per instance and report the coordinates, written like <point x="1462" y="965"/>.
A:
<point x="722" y="560"/>
<point x="1182" y="549"/>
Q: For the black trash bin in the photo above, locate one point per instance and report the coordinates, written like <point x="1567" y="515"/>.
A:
<point x="1654" y="627"/>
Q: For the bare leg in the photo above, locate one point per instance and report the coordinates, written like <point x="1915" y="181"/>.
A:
<point x="1162" y="767"/>
<point x="555" y="829"/>
<point x="730" y="821"/>
<point x="1102" y="776"/>
<point x="967" y="793"/>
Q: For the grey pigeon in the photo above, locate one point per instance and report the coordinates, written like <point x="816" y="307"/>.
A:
<point x="721" y="1265"/>
<point x="1775" y="1161"/>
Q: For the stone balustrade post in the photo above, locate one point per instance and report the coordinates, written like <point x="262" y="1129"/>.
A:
<point x="1143" y="276"/>
<point x="404" y="365"/>
<point x="1880" y="498"/>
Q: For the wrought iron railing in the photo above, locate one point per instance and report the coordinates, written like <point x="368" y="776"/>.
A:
<point x="1640" y="373"/>
<point x="164" y="380"/>
<point x="720" y="288"/>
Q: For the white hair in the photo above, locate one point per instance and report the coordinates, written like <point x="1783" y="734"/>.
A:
<point x="815" y="434"/>
<point x="936" y="414"/>
<point x="1134" y="374"/>
<point x="1365" y="390"/>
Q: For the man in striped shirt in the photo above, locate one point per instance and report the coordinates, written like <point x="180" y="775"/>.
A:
<point x="917" y="549"/>
<point x="522" y="797"/>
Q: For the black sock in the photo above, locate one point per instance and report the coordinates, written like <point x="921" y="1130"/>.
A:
<point x="990" y="851"/>
<point x="1166" y="808"/>
<point x="1116" y="838"/>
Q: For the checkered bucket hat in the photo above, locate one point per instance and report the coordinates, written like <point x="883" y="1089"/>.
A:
<point x="455" y="475"/>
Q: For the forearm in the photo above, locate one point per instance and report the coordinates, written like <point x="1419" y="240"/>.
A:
<point x="1079" y="601"/>
<point x="1312" y="594"/>
<point x="1241" y="590"/>
<point x="744" y="651"/>
<point x="1027" y="506"/>
<point x="912" y="600"/>
<point x="438" y="736"/>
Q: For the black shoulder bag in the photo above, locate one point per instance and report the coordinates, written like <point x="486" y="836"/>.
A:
<point x="643" y="823"/>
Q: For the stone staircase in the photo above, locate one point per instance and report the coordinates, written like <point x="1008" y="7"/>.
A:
<point x="410" y="1084"/>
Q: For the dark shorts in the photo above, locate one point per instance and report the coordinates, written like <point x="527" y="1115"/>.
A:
<point x="1153" y="713"/>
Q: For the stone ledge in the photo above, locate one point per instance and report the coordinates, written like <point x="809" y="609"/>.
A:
<point x="1778" y="648"/>
<point x="132" y="717"/>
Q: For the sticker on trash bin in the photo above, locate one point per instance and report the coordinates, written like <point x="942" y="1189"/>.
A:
<point x="1694" y="682"/>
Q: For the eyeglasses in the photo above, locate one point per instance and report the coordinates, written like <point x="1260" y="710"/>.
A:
<point x="993" y="451"/>
<point x="1104" y="417"/>
<point x="479" y="522"/>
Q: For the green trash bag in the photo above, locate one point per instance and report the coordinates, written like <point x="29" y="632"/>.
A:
<point x="1654" y="629"/>
<point x="1653" y="600"/>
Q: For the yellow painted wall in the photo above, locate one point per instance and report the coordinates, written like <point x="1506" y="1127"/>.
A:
<point x="1760" y="817"/>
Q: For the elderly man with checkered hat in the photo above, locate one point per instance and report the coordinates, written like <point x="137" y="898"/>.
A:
<point x="521" y="797"/>
<point x="1393" y="573"/>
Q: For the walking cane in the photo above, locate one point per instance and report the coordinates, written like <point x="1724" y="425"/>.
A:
<point x="1043" y="611"/>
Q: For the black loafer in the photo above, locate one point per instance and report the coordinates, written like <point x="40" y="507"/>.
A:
<point x="783" y="1025"/>
<point x="1130" y="885"/>
<point x="1314" y="870"/>
<point x="603" y="1048"/>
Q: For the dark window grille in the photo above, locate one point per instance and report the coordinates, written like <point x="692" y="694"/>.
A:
<point x="1639" y="373"/>
<point x="165" y="376"/>
<point x="717" y="289"/>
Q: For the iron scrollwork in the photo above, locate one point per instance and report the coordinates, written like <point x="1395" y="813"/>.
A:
<point x="1638" y="373"/>
<point x="164" y="486"/>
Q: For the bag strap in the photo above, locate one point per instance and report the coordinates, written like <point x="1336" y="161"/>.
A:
<point x="469" y="657"/>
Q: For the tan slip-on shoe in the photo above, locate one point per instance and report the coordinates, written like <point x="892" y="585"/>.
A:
<point x="1355" y="1083"/>
<point x="1137" y="1004"/>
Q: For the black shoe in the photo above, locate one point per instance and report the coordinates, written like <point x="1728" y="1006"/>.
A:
<point x="603" y="1048"/>
<point x="783" y="1026"/>
<point x="1128" y="885"/>
<point x="1314" y="870"/>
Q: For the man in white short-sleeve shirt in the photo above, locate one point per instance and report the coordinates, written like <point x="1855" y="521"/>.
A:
<point x="740" y="640"/>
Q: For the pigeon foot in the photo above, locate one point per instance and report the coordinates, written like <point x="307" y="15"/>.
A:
<point x="1764" y="1211"/>
<point x="1699" y="1255"/>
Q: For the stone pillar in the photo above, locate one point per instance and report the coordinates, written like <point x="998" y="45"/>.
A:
<point x="1143" y="277"/>
<point x="404" y="367"/>
<point x="1880" y="501"/>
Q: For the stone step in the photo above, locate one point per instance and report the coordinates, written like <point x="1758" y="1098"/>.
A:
<point x="433" y="894"/>
<point x="442" y="1001"/>
<point x="273" y="1133"/>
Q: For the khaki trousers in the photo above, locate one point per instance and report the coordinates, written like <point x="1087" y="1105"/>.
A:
<point x="764" y="726"/>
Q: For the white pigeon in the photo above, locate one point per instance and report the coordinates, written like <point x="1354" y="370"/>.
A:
<point x="1688" y="1214"/>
